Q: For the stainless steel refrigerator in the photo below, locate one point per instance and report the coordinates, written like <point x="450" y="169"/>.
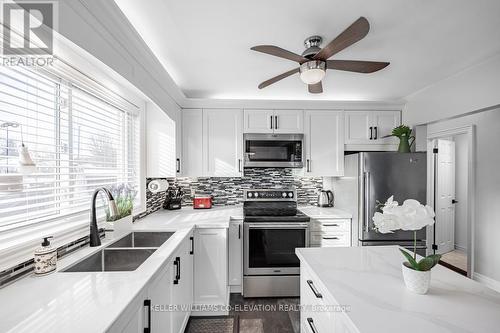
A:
<point x="375" y="176"/>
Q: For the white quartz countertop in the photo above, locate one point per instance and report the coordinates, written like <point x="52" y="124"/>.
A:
<point x="370" y="282"/>
<point x="325" y="212"/>
<point x="92" y="301"/>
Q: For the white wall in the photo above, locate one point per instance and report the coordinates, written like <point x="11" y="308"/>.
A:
<point x="470" y="90"/>
<point x="100" y="28"/>
<point x="487" y="192"/>
<point x="461" y="170"/>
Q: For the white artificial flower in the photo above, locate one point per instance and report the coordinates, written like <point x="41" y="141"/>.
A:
<point x="411" y="215"/>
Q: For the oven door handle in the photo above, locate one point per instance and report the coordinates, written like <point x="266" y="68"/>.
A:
<point x="277" y="225"/>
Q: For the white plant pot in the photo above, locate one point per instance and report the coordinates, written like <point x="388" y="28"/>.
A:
<point x="416" y="281"/>
<point x="123" y="224"/>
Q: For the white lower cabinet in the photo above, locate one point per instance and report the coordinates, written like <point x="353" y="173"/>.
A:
<point x="319" y="313"/>
<point x="235" y="235"/>
<point x="133" y="319"/>
<point x="164" y="305"/>
<point x="210" y="270"/>
<point x="182" y="288"/>
<point x="330" y="232"/>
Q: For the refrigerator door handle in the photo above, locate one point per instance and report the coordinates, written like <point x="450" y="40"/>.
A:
<point x="366" y="196"/>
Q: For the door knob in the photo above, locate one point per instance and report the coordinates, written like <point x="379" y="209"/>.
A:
<point x="453" y="201"/>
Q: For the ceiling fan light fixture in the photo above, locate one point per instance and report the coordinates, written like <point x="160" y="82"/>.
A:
<point x="312" y="72"/>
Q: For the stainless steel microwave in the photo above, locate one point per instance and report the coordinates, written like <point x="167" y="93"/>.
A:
<point x="274" y="150"/>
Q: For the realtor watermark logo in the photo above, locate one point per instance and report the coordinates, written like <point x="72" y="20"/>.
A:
<point x="28" y="32"/>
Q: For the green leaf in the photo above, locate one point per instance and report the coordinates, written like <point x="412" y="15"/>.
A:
<point x="410" y="259"/>
<point x="428" y="262"/>
<point x="401" y="130"/>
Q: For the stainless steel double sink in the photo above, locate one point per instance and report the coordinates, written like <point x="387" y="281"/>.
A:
<point x="124" y="254"/>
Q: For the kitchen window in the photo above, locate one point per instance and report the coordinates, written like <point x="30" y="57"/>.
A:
<point x="79" y="140"/>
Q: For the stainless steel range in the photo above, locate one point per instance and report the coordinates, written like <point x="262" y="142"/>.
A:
<point x="273" y="228"/>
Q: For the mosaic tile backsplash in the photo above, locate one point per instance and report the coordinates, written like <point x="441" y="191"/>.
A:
<point x="229" y="191"/>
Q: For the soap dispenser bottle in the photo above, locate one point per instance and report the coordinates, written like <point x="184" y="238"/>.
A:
<point x="45" y="258"/>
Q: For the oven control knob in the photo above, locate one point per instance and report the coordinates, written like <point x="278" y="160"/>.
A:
<point x="283" y="194"/>
<point x="249" y="194"/>
<point x="290" y="194"/>
<point x="256" y="194"/>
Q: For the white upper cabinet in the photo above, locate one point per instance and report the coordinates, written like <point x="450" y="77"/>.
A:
<point x="273" y="121"/>
<point x="357" y="127"/>
<point x="160" y="143"/>
<point x="368" y="127"/>
<point x="258" y="121"/>
<point x="324" y="143"/>
<point x="288" y="121"/>
<point x="222" y="142"/>
<point x="383" y="123"/>
<point x="191" y="163"/>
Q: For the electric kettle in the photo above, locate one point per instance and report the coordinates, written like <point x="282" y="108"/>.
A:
<point x="325" y="198"/>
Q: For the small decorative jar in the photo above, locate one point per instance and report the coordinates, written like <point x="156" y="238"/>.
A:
<point x="416" y="281"/>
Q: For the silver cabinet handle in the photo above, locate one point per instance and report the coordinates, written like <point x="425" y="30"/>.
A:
<point x="331" y="225"/>
<point x="271" y="122"/>
<point x="308" y="165"/>
<point x="276" y="122"/>
<point x="239" y="165"/>
<point x="330" y="238"/>
<point x="178" y="165"/>
<point x="310" y="321"/>
<point x="376" y="133"/>
<point x="313" y="288"/>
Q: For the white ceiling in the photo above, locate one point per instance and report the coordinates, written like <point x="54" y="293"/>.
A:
<point x="205" y="45"/>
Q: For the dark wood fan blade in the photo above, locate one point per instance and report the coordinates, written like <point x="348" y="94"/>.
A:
<point x="356" y="65"/>
<point x="279" y="52"/>
<point x="349" y="36"/>
<point x="315" y="88"/>
<point x="277" y="78"/>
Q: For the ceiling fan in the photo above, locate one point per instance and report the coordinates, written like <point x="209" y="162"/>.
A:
<point x="314" y="60"/>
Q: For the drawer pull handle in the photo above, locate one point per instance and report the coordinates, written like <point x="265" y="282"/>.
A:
<point x="331" y="225"/>
<point x="313" y="288"/>
<point x="310" y="321"/>
<point x="330" y="238"/>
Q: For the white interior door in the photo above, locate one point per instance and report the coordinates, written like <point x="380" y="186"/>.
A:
<point x="445" y="211"/>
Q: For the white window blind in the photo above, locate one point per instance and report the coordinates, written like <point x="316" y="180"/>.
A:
<point x="78" y="141"/>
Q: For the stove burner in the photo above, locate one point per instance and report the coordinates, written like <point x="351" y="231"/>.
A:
<point x="275" y="205"/>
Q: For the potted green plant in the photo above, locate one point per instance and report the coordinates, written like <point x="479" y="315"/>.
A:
<point x="124" y="198"/>
<point x="411" y="215"/>
<point x="403" y="133"/>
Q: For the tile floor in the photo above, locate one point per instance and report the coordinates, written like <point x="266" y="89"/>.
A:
<point x="252" y="315"/>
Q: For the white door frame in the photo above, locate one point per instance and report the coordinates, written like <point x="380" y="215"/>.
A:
<point x="470" y="131"/>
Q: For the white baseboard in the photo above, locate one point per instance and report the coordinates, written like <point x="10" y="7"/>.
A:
<point x="460" y="248"/>
<point x="487" y="281"/>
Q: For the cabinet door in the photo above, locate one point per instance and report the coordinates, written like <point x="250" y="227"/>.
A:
<point x="210" y="266"/>
<point x="258" y="121"/>
<point x="288" y="121"/>
<point x="324" y="139"/>
<point x="357" y="127"/>
<point x="132" y="320"/>
<point x="182" y="291"/>
<point x="160" y="294"/>
<point x="160" y="143"/>
<point x="192" y="142"/>
<point x="383" y="122"/>
<point x="235" y="236"/>
<point x="222" y="140"/>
